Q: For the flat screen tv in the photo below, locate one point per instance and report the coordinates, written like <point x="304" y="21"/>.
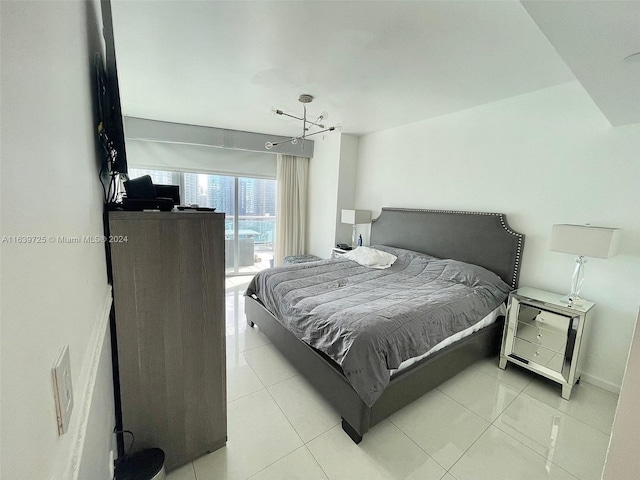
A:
<point x="111" y="121"/>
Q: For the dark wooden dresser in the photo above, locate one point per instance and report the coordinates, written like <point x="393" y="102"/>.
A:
<point x="168" y="282"/>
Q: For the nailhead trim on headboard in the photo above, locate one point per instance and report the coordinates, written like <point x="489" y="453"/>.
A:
<point x="503" y="222"/>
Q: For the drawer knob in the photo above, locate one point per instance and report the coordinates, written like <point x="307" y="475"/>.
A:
<point x="536" y="354"/>
<point x="539" y="336"/>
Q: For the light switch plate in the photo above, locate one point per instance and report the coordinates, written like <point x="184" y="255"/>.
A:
<point x="62" y="390"/>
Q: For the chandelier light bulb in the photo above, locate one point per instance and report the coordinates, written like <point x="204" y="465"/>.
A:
<point x="323" y="116"/>
<point x="268" y="145"/>
<point x="275" y="111"/>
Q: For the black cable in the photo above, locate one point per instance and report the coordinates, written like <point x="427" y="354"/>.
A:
<point x="133" y="438"/>
<point x="107" y="145"/>
<point x="104" y="190"/>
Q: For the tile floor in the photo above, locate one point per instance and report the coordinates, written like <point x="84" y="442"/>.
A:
<point x="484" y="423"/>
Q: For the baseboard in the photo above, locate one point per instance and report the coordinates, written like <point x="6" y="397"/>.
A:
<point x="599" y="382"/>
<point x="86" y="387"/>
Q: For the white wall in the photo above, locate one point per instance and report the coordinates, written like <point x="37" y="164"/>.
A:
<point x="346" y="186"/>
<point x="543" y="158"/>
<point x="323" y="193"/>
<point x="52" y="294"/>
<point x="623" y="460"/>
<point x="332" y="173"/>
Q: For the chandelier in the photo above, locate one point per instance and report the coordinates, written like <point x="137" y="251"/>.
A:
<point x="307" y="125"/>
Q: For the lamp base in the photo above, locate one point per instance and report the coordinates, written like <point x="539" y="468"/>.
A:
<point x="576" y="282"/>
<point x="572" y="300"/>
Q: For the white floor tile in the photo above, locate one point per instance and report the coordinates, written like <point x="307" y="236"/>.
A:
<point x="235" y="307"/>
<point x="590" y="404"/>
<point x="258" y="436"/>
<point x="440" y="426"/>
<point x="513" y="375"/>
<point x="308" y="412"/>
<point x="234" y="299"/>
<point x="241" y="379"/>
<point x="247" y="337"/>
<point x="450" y="424"/>
<point x="573" y="445"/>
<point x="480" y="393"/>
<point x="298" y="465"/>
<point x="497" y="456"/>
<point x="185" y="472"/>
<point x="269" y="364"/>
<point x="237" y="283"/>
<point x="231" y="347"/>
<point x="384" y="453"/>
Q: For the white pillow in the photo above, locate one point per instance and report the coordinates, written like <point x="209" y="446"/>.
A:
<point x="370" y="257"/>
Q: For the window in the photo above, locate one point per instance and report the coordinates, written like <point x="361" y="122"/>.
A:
<point x="159" y="177"/>
<point x="249" y="235"/>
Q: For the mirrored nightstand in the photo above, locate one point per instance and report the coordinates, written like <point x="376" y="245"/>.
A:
<point x="336" y="252"/>
<point x="543" y="333"/>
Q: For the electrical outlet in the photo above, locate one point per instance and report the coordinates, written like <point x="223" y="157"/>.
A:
<point x="62" y="389"/>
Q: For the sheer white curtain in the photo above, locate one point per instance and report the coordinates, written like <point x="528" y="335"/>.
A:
<point x="291" y="223"/>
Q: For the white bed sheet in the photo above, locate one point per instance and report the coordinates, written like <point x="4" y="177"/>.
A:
<point x="486" y="321"/>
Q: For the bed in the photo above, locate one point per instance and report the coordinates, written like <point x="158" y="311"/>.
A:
<point x="476" y="238"/>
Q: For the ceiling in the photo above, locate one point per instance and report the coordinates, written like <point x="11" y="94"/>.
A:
<point x="594" y="38"/>
<point x="372" y="65"/>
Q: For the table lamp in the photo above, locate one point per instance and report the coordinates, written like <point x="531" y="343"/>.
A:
<point x="584" y="241"/>
<point x="355" y="217"/>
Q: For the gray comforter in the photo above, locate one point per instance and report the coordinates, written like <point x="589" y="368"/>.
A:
<point x="369" y="321"/>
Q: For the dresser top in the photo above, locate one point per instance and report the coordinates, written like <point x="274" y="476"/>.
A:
<point x="159" y="215"/>
<point x="552" y="299"/>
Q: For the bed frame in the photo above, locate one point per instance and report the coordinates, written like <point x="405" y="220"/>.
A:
<point x="483" y="239"/>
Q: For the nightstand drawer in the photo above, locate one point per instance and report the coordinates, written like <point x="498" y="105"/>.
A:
<point x="532" y="352"/>
<point x="539" y="318"/>
<point x="542" y="336"/>
<point x="556" y="363"/>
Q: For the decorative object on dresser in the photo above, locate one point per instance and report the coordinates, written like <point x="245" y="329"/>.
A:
<point x="168" y="283"/>
<point x="584" y="241"/>
<point x="355" y="217"/>
<point x="142" y="194"/>
<point x="543" y="333"/>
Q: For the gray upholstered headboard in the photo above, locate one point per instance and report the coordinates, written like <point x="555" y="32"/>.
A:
<point x="480" y="238"/>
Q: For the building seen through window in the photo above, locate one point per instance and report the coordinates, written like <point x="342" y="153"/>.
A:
<point x="254" y="223"/>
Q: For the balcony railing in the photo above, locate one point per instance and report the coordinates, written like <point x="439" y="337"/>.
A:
<point x="260" y="227"/>
<point x="256" y="237"/>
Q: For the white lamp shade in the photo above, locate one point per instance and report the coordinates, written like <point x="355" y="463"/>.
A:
<point x="584" y="240"/>
<point x="356" y="217"/>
